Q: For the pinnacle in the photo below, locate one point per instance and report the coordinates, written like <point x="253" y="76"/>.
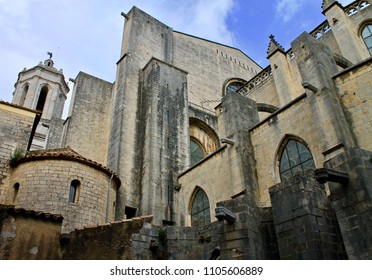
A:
<point x="273" y="46"/>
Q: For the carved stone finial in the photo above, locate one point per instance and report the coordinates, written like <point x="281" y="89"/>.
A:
<point x="273" y="46"/>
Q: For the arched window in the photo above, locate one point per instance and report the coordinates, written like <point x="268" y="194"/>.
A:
<point x="367" y="37"/>
<point x="42" y="99"/>
<point x="74" y="191"/>
<point x="200" y="213"/>
<point x="295" y="159"/>
<point x="196" y="152"/>
<point x="23" y="95"/>
<point x="15" y="191"/>
<point x="233" y="86"/>
<point x="203" y="140"/>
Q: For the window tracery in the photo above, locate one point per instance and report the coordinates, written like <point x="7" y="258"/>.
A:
<point x="367" y="37"/>
<point x="200" y="212"/>
<point x="196" y="152"/>
<point x="294" y="160"/>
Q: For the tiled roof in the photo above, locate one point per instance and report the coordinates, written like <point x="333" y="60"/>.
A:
<point x="17" y="106"/>
<point x="68" y="154"/>
<point x="33" y="213"/>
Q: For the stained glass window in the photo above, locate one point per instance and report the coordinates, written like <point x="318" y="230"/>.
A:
<point x="295" y="159"/>
<point x="367" y="37"/>
<point x="233" y="87"/>
<point x="196" y="152"/>
<point x="200" y="213"/>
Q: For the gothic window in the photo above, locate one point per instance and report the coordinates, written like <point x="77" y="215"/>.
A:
<point x="42" y="99"/>
<point x="295" y="159"/>
<point x="74" y="191"/>
<point x="200" y="213"/>
<point x="23" y="94"/>
<point x="233" y="85"/>
<point x="367" y="37"/>
<point x="196" y="152"/>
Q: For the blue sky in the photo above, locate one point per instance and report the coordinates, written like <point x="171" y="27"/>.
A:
<point x="85" y="35"/>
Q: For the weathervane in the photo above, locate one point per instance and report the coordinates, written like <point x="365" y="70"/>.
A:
<point x="50" y="54"/>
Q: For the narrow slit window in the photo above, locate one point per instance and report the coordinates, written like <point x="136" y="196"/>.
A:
<point x="74" y="191"/>
<point x="15" y="191"/>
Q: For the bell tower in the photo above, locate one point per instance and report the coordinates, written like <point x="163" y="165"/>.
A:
<point x="42" y="88"/>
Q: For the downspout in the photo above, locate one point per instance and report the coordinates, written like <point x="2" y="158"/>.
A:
<point x="33" y="130"/>
<point x="108" y="198"/>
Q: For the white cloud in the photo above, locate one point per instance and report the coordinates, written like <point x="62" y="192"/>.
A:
<point x="209" y="20"/>
<point x="287" y="9"/>
<point x="203" y="18"/>
<point x="85" y="35"/>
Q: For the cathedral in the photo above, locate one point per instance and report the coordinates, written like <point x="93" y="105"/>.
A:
<point x="196" y="151"/>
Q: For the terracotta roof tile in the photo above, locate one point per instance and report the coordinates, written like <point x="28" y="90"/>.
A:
<point x="67" y="154"/>
<point x="38" y="214"/>
<point x="104" y="225"/>
<point x="19" y="107"/>
<point x="90" y="226"/>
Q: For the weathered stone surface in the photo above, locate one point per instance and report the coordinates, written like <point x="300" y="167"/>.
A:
<point x="312" y="232"/>
<point x="352" y="201"/>
<point x="29" y="235"/>
<point x="316" y="94"/>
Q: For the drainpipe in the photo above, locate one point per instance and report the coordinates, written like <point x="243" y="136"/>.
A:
<point x="33" y="130"/>
<point x="108" y="198"/>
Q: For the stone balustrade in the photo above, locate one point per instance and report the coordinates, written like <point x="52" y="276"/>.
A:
<point x="356" y="6"/>
<point x="256" y="80"/>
